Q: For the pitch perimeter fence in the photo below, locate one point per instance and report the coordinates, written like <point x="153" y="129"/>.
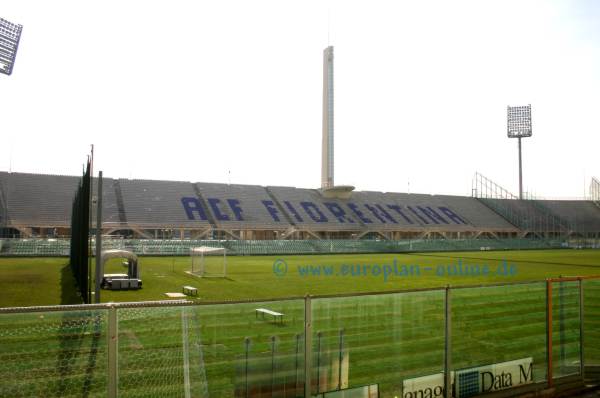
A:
<point x="530" y="335"/>
<point x="181" y="247"/>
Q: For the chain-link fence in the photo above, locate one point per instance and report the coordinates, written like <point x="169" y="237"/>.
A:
<point x="53" y="353"/>
<point x="471" y="339"/>
<point x="181" y="247"/>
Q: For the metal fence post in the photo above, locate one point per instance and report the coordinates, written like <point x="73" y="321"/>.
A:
<point x="273" y="341"/>
<point x="98" y="269"/>
<point x="561" y="323"/>
<point x="319" y="335"/>
<point x="549" y="374"/>
<point x="296" y="386"/>
<point x="581" y="331"/>
<point x="246" y="351"/>
<point x="185" y="345"/>
<point x="447" y="346"/>
<point x="307" y="346"/>
<point x="340" y="358"/>
<point x="113" y="355"/>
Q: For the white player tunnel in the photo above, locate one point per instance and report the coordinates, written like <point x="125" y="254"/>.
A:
<point x="131" y="280"/>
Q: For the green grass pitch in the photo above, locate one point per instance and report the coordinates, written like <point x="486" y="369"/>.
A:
<point x="386" y="338"/>
<point x="48" y="281"/>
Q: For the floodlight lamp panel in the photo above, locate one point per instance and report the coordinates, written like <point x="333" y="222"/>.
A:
<point x="519" y="121"/>
<point x="10" y="34"/>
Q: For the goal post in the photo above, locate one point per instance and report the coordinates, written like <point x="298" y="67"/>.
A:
<point x="208" y="267"/>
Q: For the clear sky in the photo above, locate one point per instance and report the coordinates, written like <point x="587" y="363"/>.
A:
<point x="230" y="91"/>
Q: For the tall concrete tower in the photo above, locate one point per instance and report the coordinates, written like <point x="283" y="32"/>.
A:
<point x="328" y="188"/>
<point x="327" y="146"/>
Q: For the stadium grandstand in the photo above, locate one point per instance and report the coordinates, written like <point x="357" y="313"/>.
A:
<point x="38" y="205"/>
<point x="332" y="218"/>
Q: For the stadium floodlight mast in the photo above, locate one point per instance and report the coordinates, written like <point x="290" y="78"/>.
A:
<point x="519" y="126"/>
<point x="10" y="34"/>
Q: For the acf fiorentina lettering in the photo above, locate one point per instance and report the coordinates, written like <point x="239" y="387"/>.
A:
<point x="230" y="209"/>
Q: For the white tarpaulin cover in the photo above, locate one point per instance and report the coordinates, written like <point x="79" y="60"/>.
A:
<point x="116" y="253"/>
<point x="206" y="249"/>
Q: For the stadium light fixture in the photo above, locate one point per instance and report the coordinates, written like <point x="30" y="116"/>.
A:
<point x="519" y="126"/>
<point x="10" y="34"/>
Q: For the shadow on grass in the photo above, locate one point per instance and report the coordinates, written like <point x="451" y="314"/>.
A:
<point x="68" y="289"/>
<point x="79" y="334"/>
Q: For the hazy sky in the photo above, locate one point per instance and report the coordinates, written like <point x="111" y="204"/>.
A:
<point x="230" y="91"/>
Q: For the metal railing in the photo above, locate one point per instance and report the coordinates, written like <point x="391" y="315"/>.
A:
<point x="171" y="247"/>
<point x="531" y="214"/>
<point x="392" y="339"/>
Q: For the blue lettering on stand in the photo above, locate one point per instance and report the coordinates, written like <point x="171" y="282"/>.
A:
<point x="338" y="212"/>
<point x="386" y="214"/>
<point x="359" y="213"/>
<point x="417" y="214"/>
<point x="214" y="205"/>
<point x="293" y="211"/>
<point x="235" y="208"/>
<point x="307" y="206"/>
<point x="191" y="205"/>
<point x="432" y="215"/>
<point x="376" y="210"/>
<point x="271" y="209"/>
<point x="452" y="215"/>
<point x="398" y="210"/>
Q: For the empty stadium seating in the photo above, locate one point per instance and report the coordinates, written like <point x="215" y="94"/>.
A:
<point x="582" y="216"/>
<point x="35" y="200"/>
<point x="476" y="213"/>
<point x="242" y="206"/>
<point x="157" y="203"/>
<point x="306" y="208"/>
<point x="528" y="215"/>
<point x="390" y="215"/>
<point x="431" y="213"/>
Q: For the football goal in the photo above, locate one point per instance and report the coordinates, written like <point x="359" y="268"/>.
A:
<point x="208" y="261"/>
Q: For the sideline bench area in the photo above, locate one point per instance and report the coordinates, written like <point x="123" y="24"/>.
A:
<point x="190" y="291"/>
<point x="276" y="315"/>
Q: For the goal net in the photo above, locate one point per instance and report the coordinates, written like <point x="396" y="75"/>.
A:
<point x="208" y="261"/>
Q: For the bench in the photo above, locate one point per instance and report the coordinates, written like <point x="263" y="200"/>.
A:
<point x="276" y="315"/>
<point x="190" y="291"/>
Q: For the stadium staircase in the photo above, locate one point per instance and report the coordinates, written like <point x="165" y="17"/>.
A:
<point x="3" y="210"/>
<point x="120" y="204"/>
<point x="282" y="211"/>
<point x="209" y="214"/>
<point x="512" y="215"/>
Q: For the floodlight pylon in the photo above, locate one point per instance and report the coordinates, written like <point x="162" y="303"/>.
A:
<point x="10" y="35"/>
<point x="519" y="126"/>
